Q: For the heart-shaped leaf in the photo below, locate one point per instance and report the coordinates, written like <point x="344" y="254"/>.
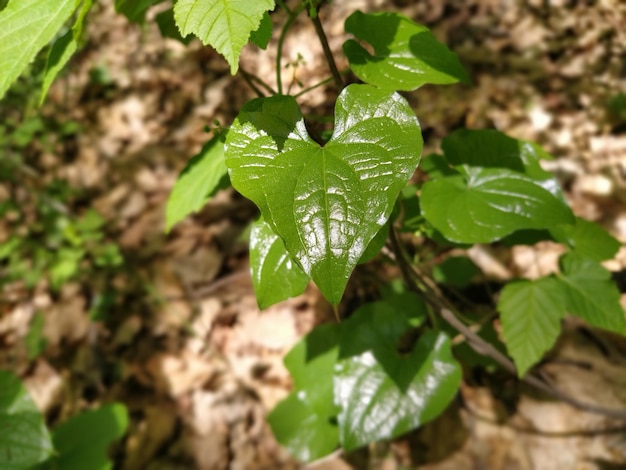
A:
<point x="383" y="390"/>
<point x="487" y="204"/>
<point x="406" y="54"/>
<point x="275" y="275"/>
<point x="326" y="203"/>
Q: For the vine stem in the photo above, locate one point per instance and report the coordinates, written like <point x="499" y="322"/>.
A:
<point x="319" y="84"/>
<point x="251" y="79"/>
<point x="426" y="288"/>
<point x="281" y="41"/>
<point x="327" y="52"/>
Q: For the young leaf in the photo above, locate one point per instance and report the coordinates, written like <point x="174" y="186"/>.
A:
<point x="63" y="49"/>
<point x="223" y="24"/>
<point x="275" y="275"/>
<point x="384" y="392"/>
<point x="531" y="312"/>
<point x="303" y="421"/>
<point x="406" y="54"/>
<point x="590" y="293"/>
<point x="83" y="440"/>
<point x="24" y="438"/>
<point x="587" y="238"/>
<point x="26" y="26"/>
<point x="203" y="176"/>
<point x="488" y="204"/>
<point x="326" y="203"/>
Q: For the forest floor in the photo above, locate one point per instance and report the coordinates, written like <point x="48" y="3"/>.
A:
<point x="182" y="342"/>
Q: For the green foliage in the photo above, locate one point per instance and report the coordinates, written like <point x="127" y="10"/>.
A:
<point x="275" y="275"/>
<point x="24" y="440"/>
<point x="78" y="447"/>
<point x="365" y="380"/>
<point x="203" y="176"/>
<point x="26" y="26"/>
<point x="406" y="54"/>
<point x="63" y="49"/>
<point x="326" y="203"/>
<point x="326" y="207"/>
<point x="224" y="24"/>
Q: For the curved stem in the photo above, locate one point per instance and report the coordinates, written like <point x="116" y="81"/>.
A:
<point x="281" y="40"/>
<point x="327" y="52"/>
<point x="319" y="84"/>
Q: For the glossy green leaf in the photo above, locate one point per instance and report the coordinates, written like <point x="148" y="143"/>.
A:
<point x="406" y="55"/>
<point x="587" y="239"/>
<point x="375" y="245"/>
<point x="261" y="37"/>
<point x="531" y="313"/>
<point x="223" y="24"/>
<point x="63" y="49"/>
<point x="275" y="276"/>
<point x="326" y="203"/>
<point x="590" y="293"/>
<point x="304" y="421"/>
<point x="383" y="387"/>
<point x="488" y="204"/>
<point x="24" y="438"/>
<point x="26" y="26"/>
<point x="83" y="440"/>
<point x="203" y="176"/>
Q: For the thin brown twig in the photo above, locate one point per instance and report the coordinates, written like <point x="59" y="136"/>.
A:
<point x="420" y="285"/>
<point x="327" y="52"/>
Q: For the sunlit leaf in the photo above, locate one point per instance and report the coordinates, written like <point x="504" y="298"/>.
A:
<point x="406" y="55"/>
<point x="384" y="385"/>
<point x="223" y="24"/>
<point x="203" y="176"/>
<point x="275" y="276"/>
<point x="26" y="26"/>
<point x="326" y="203"/>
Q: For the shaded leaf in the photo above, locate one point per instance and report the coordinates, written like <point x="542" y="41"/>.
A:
<point x="24" y="438"/>
<point x="134" y="10"/>
<point x="26" y="26"/>
<point x="590" y="293"/>
<point x="587" y="239"/>
<point x="531" y="313"/>
<point x="326" y="203"/>
<point x="223" y="24"/>
<point x="83" y="440"/>
<point x="168" y="28"/>
<point x="275" y="276"/>
<point x="488" y="204"/>
<point x="303" y="422"/>
<point x="261" y="37"/>
<point x="203" y="176"/>
<point x="455" y="271"/>
<point x="406" y="55"/>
